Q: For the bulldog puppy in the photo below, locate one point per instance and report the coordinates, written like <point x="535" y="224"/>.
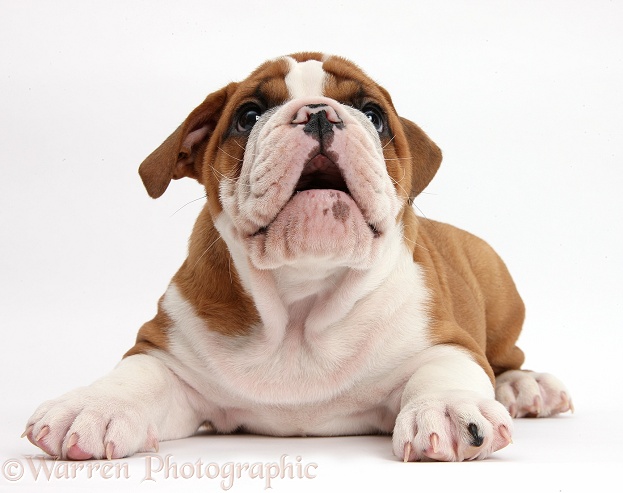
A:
<point x="313" y="301"/>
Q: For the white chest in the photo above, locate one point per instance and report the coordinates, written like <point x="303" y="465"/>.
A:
<point x="349" y="375"/>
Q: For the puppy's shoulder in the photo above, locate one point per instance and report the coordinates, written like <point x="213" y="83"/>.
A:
<point x="454" y="243"/>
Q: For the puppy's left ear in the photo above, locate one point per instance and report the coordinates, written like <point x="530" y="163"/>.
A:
<point x="181" y="154"/>
<point x="425" y="157"/>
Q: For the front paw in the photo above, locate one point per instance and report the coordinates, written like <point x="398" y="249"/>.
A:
<point x="91" y="424"/>
<point x="451" y="426"/>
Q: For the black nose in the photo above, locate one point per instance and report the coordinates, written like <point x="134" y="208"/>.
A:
<point x="318" y="125"/>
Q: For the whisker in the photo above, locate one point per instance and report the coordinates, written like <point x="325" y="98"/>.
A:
<point x="241" y="147"/>
<point x="404" y="172"/>
<point x="218" y="174"/>
<point x="389" y="141"/>
<point x="421" y="212"/>
<point x="206" y="251"/>
<point x="227" y="154"/>
<point x="188" y="203"/>
<point x="238" y="144"/>
<point x="415" y="243"/>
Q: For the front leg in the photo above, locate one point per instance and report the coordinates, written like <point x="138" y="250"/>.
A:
<point x="448" y="410"/>
<point x="139" y="403"/>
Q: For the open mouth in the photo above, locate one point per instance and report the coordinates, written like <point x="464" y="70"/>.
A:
<point x="321" y="173"/>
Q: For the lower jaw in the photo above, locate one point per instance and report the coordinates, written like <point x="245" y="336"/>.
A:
<point x="315" y="224"/>
<point x="268" y="251"/>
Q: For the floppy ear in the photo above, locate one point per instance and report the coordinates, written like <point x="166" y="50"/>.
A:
<point x="181" y="154"/>
<point x="425" y="157"/>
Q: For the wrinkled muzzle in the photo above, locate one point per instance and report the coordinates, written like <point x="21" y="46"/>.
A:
<point x="313" y="186"/>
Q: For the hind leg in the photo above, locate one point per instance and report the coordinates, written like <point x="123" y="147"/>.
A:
<point x="530" y="394"/>
<point x="522" y="392"/>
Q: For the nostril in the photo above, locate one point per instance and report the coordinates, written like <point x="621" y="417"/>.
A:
<point x="304" y="114"/>
<point x="332" y="116"/>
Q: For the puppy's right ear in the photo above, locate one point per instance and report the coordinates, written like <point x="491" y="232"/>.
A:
<point x="181" y="154"/>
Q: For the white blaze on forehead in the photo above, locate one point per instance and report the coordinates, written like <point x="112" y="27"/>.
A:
<point x="305" y="79"/>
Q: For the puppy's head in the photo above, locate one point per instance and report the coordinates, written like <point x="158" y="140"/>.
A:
<point x="306" y="159"/>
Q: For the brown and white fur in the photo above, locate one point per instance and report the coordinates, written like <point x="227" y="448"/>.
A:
<point x="313" y="301"/>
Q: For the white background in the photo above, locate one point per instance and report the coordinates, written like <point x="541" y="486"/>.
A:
<point x="524" y="98"/>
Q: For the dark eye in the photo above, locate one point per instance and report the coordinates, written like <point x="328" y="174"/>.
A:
<point x="248" y="117"/>
<point x="375" y="115"/>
